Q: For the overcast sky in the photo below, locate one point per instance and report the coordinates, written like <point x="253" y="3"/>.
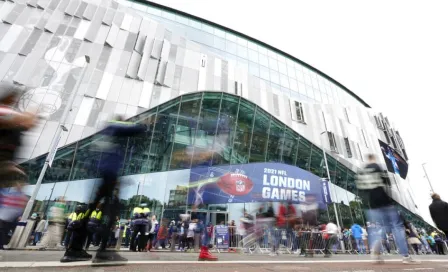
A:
<point x="393" y="54"/>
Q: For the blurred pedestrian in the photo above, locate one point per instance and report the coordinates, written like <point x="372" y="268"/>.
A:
<point x="357" y="235"/>
<point x="40" y="228"/>
<point x="439" y="212"/>
<point x="12" y="125"/>
<point x="112" y="159"/>
<point x="374" y="187"/>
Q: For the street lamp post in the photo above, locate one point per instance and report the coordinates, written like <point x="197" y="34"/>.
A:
<point x="426" y="175"/>
<point x="55" y="142"/>
<point x="332" y="190"/>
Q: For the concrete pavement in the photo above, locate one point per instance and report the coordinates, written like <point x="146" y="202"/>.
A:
<point x="16" y="260"/>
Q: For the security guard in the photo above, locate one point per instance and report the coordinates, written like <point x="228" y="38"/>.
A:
<point x="74" y="228"/>
<point x="141" y="224"/>
<point x="94" y="227"/>
<point x="72" y="216"/>
<point x="127" y="233"/>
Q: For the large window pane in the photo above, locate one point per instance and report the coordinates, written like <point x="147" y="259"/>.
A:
<point x="290" y="147"/>
<point x="163" y="135"/>
<point x="243" y="132"/>
<point x="183" y="134"/>
<point x="205" y="135"/>
<point x="317" y="162"/>
<point x="276" y="140"/>
<point x="226" y="130"/>
<point x="138" y="154"/>
<point x="304" y="154"/>
<point x="259" y="137"/>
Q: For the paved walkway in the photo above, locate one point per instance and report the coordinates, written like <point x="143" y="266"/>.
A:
<point x="16" y="258"/>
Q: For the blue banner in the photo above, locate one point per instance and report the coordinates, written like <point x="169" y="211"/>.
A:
<point x="255" y="182"/>
<point x="222" y="237"/>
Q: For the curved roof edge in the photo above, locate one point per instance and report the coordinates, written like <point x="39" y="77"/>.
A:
<point x="172" y="10"/>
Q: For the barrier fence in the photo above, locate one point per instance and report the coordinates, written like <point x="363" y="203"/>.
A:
<point x="266" y="239"/>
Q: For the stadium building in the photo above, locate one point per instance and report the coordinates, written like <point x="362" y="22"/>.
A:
<point x="215" y="99"/>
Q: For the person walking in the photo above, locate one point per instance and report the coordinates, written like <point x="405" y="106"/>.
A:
<point x="40" y="228"/>
<point x="12" y="126"/>
<point x="373" y="185"/>
<point x="152" y="237"/>
<point x="330" y="236"/>
<point x="439" y="211"/>
<point x="357" y="234"/>
<point x="112" y="159"/>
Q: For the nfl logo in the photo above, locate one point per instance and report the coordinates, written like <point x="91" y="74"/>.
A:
<point x="240" y="186"/>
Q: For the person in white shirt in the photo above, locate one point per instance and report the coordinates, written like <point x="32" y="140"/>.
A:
<point x="330" y="236"/>
<point x="152" y="235"/>
<point x="364" y="239"/>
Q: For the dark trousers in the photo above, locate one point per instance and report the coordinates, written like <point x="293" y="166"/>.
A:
<point x="141" y="240"/>
<point x="329" y="243"/>
<point x="127" y="239"/>
<point x="92" y="236"/>
<point x="68" y="238"/>
<point x="110" y="211"/>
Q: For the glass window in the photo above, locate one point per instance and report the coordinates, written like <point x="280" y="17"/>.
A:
<point x="317" y="162"/>
<point x="219" y="43"/>
<point x="304" y="154"/>
<point x="252" y="46"/>
<point x="276" y="140"/>
<point x="275" y="77"/>
<point x="230" y="37"/>
<point x="290" y="147"/>
<point x="226" y="130"/>
<point x="273" y="64"/>
<point x="262" y="50"/>
<point x="284" y="81"/>
<point x="207" y="126"/>
<point x="264" y="73"/>
<point x="231" y="47"/>
<point x="220" y="33"/>
<point x="272" y="54"/>
<point x="254" y="69"/>
<point x="195" y="24"/>
<point x="163" y="133"/>
<point x="253" y="55"/>
<point x="208" y="28"/>
<point x="181" y="19"/>
<point x="242" y="41"/>
<point x="282" y="68"/>
<point x="241" y="143"/>
<point x="293" y="85"/>
<point x="259" y="137"/>
<point x="263" y="60"/>
<point x="242" y="51"/>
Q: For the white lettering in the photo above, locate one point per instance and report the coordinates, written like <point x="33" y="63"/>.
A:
<point x="302" y="196"/>
<point x="282" y="182"/>
<point x="274" y="193"/>
<point x="266" y="192"/>
<point x="298" y="184"/>
<point x="265" y="180"/>
<point x="285" y="194"/>
<point x="290" y="183"/>
<point x="274" y="181"/>
<point x="306" y="185"/>
<point x="294" y="196"/>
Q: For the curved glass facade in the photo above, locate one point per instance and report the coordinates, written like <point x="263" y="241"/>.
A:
<point x="205" y="128"/>
<point x="296" y="79"/>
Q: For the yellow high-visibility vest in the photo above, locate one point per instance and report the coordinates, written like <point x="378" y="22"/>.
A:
<point x="76" y="217"/>
<point x="124" y="231"/>
<point x="96" y="215"/>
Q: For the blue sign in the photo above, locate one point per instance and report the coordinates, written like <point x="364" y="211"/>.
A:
<point x="222" y="237"/>
<point x="255" y="182"/>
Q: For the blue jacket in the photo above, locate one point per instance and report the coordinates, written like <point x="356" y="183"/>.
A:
<point x="357" y="231"/>
<point x="109" y="143"/>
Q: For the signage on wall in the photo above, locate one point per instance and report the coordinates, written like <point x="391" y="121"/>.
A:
<point x="394" y="161"/>
<point x="255" y="182"/>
